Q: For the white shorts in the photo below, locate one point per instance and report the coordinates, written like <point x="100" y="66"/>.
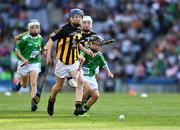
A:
<point x="62" y="70"/>
<point x="91" y="81"/>
<point x="24" y="70"/>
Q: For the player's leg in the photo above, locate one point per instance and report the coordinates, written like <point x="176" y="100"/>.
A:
<point x="61" y="72"/>
<point x="24" y="81"/>
<point x="91" y="83"/>
<point x="20" y="77"/>
<point x="79" y="89"/>
<point x="55" y="89"/>
<point x="78" y="92"/>
<point x="73" y="80"/>
<point x="94" y="97"/>
<point x="33" y="82"/>
<point x="86" y="92"/>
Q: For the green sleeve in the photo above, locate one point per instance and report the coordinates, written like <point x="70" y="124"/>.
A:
<point x="19" y="44"/>
<point x="103" y="61"/>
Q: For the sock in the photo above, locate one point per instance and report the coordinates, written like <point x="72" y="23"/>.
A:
<point x="85" y="106"/>
<point x="51" y="99"/>
<point x="78" y="104"/>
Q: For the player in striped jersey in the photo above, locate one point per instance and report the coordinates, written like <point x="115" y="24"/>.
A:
<point x="67" y="54"/>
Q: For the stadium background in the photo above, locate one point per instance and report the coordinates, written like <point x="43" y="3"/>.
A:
<point x="144" y="57"/>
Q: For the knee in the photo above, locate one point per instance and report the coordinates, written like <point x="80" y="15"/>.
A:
<point x="81" y="81"/>
<point x="33" y="84"/>
<point x="58" y="87"/>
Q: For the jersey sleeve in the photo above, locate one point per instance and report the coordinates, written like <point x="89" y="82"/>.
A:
<point x="19" y="44"/>
<point x="57" y="34"/>
<point x="19" y="36"/>
<point x="103" y="61"/>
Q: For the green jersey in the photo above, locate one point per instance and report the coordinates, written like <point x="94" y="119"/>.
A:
<point x="91" y="63"/>
<point x="28" y="46"/>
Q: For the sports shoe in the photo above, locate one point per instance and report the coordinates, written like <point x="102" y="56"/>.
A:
<point x="18" y="86"/>
<point x="78" y="110"/>
<point x="33" y="105"/>
<point x="50" y="108"/>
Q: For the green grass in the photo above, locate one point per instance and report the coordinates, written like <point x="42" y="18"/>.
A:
<point x="157" y="112"/>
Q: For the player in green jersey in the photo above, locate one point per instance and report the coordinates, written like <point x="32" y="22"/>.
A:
<point x="89" y="67"/>
<point x="28" y="44"/>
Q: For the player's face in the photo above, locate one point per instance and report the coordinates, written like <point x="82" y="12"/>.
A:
<point x="76" y="20"/>
<point x="96" y="46"/>
<point x="86" y="26"/>
<point x="34" y="30"/>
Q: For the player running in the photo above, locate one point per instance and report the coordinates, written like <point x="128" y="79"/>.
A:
<point x="28" y="44"/>
<point x="89" y="70"/>
<point x="67" y="55"/>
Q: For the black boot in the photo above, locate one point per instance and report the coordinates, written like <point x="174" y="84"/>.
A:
<point x="33" y="105"/>
<point x="50" y="108"/>
<point x="78" y="110"/>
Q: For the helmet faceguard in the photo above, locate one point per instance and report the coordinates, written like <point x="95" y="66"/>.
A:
<point x="36" y="31"/>
<point x="33" y="22"/>
<point x="97" y="40"/>
<point x="73" y="18"/>
<point x="87" y="24"/>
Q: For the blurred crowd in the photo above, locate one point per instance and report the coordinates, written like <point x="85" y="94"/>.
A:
<point x="146" y="32"/>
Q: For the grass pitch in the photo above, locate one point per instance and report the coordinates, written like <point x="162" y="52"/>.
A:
<point x="157" y="112"/>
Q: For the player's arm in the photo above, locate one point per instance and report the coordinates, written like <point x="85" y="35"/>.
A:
<point x="106" y="68"/>
<point x="19" y="36"/>
<point x="18" y="53"/>
<point x="53" y="37"/>
<point x="87" y="51"/>
<point x="48" y="48"/>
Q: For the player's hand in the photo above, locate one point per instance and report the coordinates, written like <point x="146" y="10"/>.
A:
<point x="82" y="59"/>
<point x="89" y="52"/>
<point x="110" y="75"/>
<point x="44" y="53"/>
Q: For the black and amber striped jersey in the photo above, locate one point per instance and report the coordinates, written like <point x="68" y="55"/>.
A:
<point x="86" y="37"/>
<point x="65" y="36"/>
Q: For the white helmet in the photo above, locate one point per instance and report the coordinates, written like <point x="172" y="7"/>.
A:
<point x="33" y="22"/>
<point x="87" y="18"/>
